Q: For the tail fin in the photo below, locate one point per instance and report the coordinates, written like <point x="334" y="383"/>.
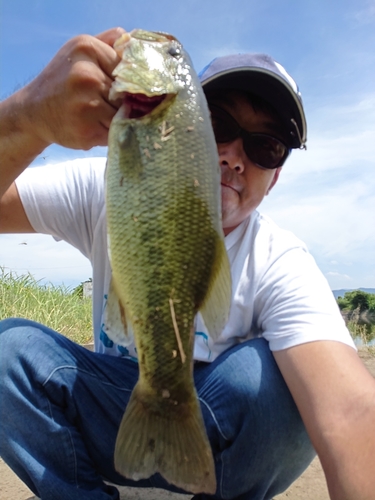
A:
<point x="153" y="441"/>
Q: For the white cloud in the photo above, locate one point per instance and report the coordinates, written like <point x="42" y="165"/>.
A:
<point x="335" y="218"/>
<point x="46" y="259"/>
<point x="337" y="137"/>
<point x="335" y="275"/>
<point x="338" y="281"/>
<point x="326" y="194"/>
<point x="56" y="154"/>
<point x="367" y="14"/>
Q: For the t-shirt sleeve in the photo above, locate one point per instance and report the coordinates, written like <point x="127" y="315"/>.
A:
<point x="295" y="305"/>
<point x="65" y="200"/>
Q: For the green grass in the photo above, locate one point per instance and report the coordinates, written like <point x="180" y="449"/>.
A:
<point x="67" y="312"/>
<point x="363" y="332"/>
<point x="57" y="307"/>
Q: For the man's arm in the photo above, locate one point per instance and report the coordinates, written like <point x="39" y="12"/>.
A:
<point x="66" y="104"/>
<point x="13" y="217"/>
<point x="335" y="395"/>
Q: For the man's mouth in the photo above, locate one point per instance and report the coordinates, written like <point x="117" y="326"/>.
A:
<point x="225" y="184"/>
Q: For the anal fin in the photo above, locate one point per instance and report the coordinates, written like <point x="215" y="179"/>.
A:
<point x="216" y="306"/>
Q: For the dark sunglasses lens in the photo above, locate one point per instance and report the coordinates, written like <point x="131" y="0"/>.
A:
<point x="265" y="150"/>
<point x="225" y="128"/>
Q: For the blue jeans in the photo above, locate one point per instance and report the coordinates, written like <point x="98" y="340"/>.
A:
<point x="61" y="405"/>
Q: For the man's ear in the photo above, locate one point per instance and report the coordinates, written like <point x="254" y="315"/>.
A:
<point x="275" y="179"/>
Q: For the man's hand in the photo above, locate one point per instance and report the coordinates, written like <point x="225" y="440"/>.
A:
<point x="67" y="103"/>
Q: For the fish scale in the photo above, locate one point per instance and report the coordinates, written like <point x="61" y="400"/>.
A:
<point x="168" y="259"/>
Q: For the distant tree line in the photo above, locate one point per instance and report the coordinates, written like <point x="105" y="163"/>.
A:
<point x="357" y="299"/>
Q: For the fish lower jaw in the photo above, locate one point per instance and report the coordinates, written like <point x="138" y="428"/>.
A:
<point x="137" y="106"/>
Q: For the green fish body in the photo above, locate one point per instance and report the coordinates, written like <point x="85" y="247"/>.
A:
<point x="168" y="258"/>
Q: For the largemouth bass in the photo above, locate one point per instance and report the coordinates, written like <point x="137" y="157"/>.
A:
<point x="167" y="255"/>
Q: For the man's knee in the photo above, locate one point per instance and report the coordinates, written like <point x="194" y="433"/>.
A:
<point x="9" y="323"/>
<point x="20" y="339"/>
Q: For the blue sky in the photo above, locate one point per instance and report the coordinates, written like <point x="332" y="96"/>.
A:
<point x="325" y="195"/>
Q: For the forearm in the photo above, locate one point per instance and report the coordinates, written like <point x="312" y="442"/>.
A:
<point x="19" y="144"/>
<point x="347" y="453"/>
<point x="347" y="449"/>
<point x="335" y="395"/>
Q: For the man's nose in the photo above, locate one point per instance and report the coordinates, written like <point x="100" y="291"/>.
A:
<point x="232" y="155"/>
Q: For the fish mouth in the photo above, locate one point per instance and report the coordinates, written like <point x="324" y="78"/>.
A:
<point x="139" y="105"/>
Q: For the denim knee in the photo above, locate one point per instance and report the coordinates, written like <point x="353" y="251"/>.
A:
<point x="19" y="336"/>
<point x="259" y="440"/>
<point x="238" y="386"/>
<point x="19" y="326"/>
<point x="11" y="343"/>
<point x="9" y="323"/>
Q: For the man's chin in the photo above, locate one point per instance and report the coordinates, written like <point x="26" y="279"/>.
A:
<point x="228" y="222"/>
<point x="229" y="196"/>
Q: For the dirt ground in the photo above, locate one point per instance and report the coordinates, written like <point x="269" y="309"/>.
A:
<point x="310" y="486"/>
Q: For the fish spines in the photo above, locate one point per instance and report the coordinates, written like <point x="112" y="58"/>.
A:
<point x="151" y="440"/>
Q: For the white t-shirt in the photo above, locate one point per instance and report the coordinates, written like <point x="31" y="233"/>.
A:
<point x="278" y="292"/>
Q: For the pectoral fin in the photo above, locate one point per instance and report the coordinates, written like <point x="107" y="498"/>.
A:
<point x="216" y="305"/>
<point x="116" y="325"/>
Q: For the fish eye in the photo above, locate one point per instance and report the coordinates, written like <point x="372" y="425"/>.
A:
<point x="174" y="51"/>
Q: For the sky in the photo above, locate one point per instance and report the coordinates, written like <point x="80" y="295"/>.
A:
<point x="325" y="195"/>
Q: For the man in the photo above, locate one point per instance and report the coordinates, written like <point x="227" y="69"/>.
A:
<point x="285" y="345"/>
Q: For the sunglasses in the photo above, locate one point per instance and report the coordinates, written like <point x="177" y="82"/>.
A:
<point x="262" y="149"/>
